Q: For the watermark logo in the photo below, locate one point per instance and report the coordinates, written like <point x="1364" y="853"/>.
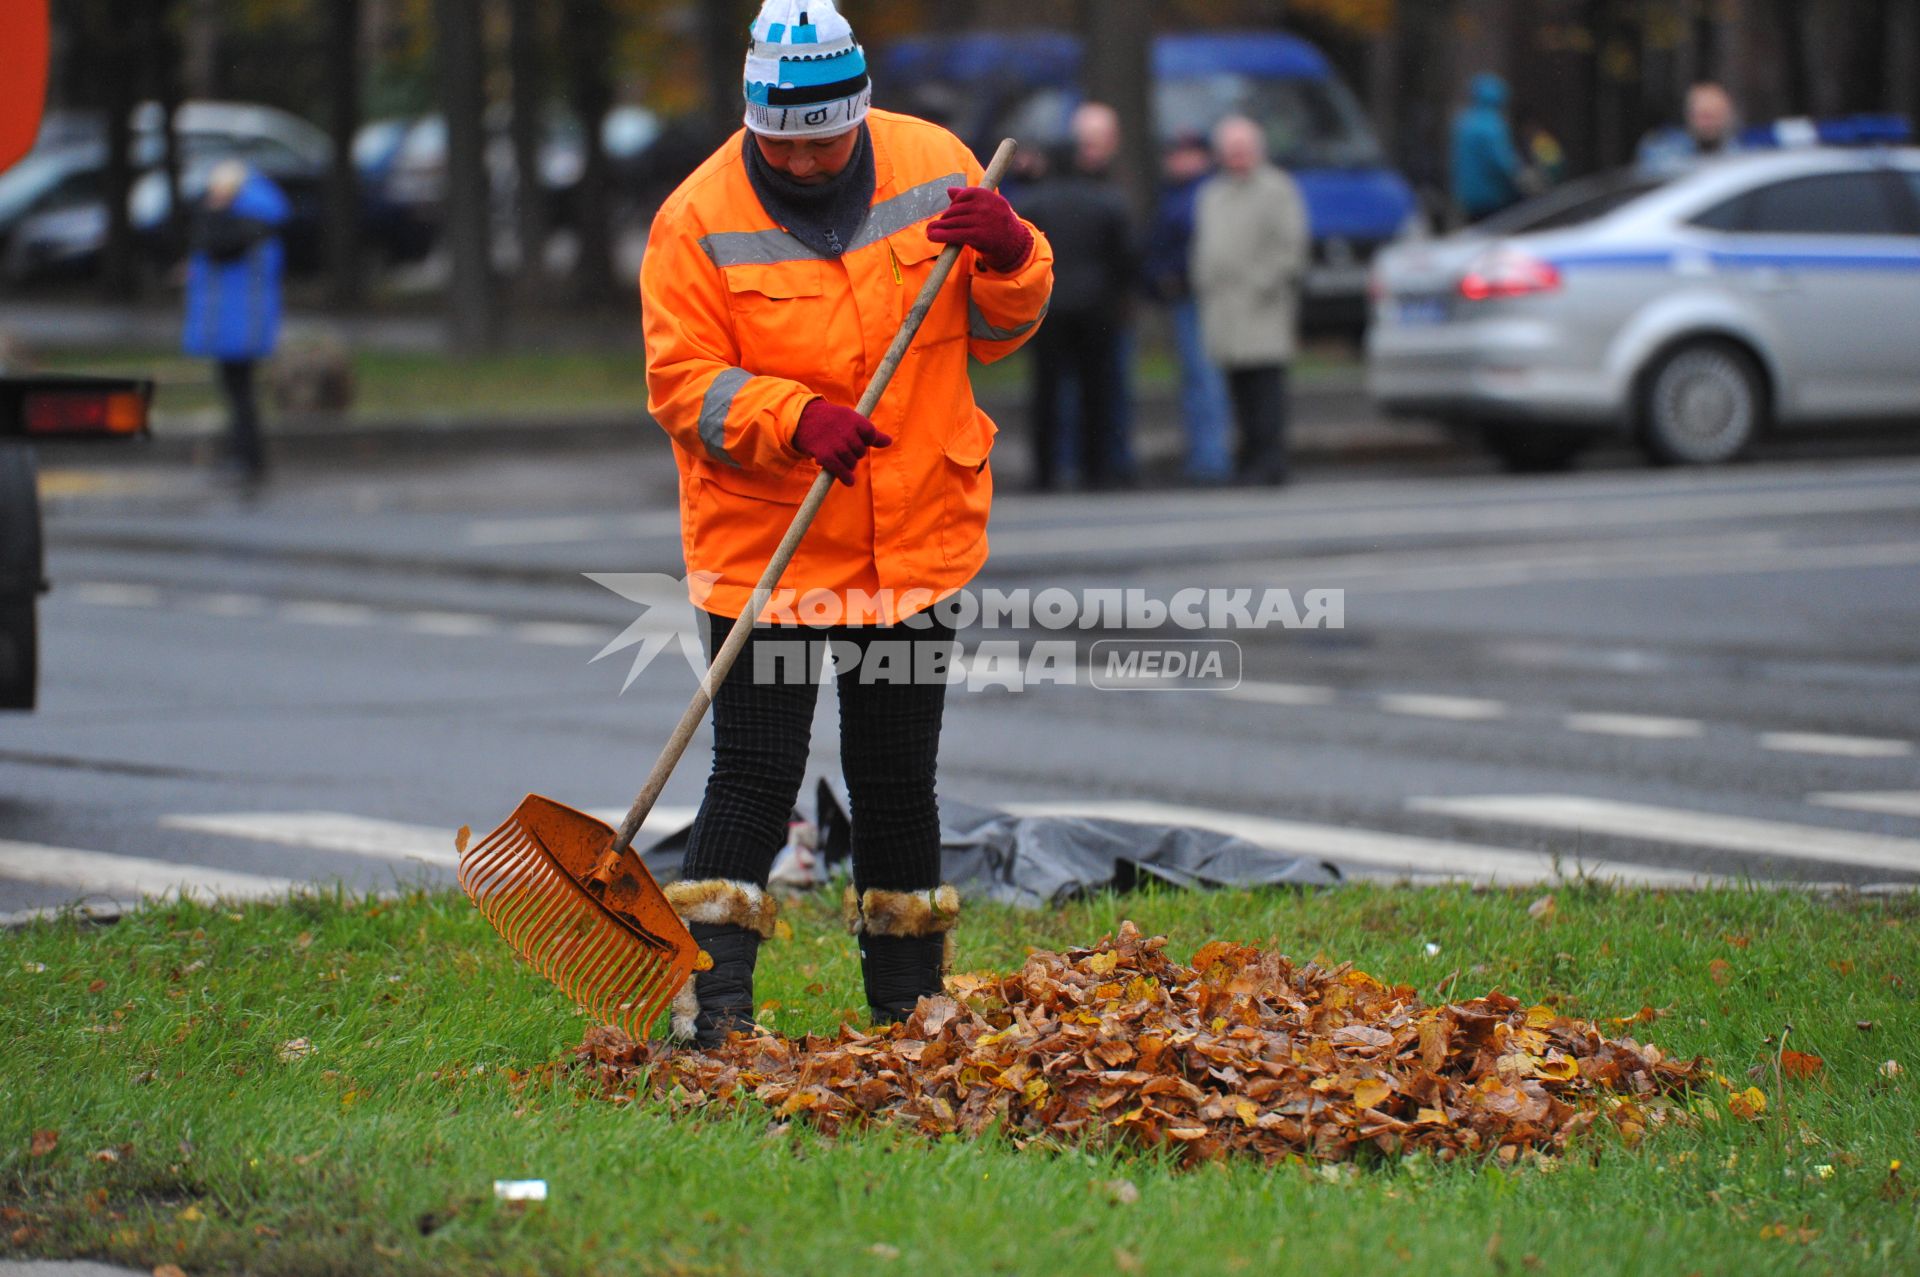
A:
<point x="830" y="635"/>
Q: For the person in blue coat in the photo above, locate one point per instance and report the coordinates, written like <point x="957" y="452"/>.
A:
<point x="234" y="268"/>
<point x="1486" y="165"/>
<point x="1203" y="387"/>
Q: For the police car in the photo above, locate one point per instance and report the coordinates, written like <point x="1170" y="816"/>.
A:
<point x="1692" y="313"/>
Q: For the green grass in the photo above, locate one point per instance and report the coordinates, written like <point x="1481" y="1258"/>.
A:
<point x="161" y="1037"/>
<point x="391" y="385"/>
<point x="531" y="385"/>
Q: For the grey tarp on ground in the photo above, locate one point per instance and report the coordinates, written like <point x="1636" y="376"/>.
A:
<point x="1037" y="861"/>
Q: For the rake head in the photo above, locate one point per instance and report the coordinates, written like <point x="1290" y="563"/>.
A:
<point x="594" y="923"/>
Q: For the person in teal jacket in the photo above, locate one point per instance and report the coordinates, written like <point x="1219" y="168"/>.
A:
<point x="234" y="269"/>
<point x="1486" y="166"/>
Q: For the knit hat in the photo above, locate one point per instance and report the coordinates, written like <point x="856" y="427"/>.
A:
<point x="806" y="76"/>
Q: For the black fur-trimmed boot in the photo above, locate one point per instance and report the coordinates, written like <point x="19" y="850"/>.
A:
<point x="728" y="920"/>
<point x="906" y="946"/>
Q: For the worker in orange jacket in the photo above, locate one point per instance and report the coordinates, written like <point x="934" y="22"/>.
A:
<point x="775" y="278"/>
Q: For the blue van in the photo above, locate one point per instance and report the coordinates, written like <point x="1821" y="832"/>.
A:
<point x="986" y="86"/>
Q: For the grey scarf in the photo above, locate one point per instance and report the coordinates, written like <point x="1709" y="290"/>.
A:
<point x="825" y="217"/>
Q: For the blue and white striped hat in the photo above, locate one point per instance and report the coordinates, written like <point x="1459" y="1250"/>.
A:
<point x="806" y="75"/>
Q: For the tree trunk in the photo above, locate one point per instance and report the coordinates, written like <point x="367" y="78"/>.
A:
<point x="120" y="73"/>
<point x="1866" y="86"/>
<point x="1790" y="37"/>
<point x="1119" y="72"/>
<point x="526" y="54"/>
<point x="163" y="63"/>
<point x="201" y="60"/>
<point x="588" y="44"/>
<point x="462" y="70"/>
<point x="723" y="51"/>
<point x="343" y="119"/>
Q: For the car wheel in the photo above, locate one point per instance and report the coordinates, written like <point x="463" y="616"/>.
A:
<point x="20" y="574"/>
<point x="1702" y="404"/>
<point x="1532" y="450"/>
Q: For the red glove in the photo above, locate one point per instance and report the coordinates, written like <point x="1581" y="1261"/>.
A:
<point x="984" y="221"/>
<point x="836" y="437"/>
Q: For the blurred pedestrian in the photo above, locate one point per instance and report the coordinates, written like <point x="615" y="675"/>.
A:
<point x="1546" y="159"/>
<point x="234" y="267"/>
<point x="1486" y="165"/>
<point x="1203" y="390"/>
<point x="1711" y="128"/>
<point x="1250" y="253"/>
<point x="1083" y="344"/>
<point x="775" y="279"/>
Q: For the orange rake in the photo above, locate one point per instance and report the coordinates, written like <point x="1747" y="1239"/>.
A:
<point x="567" y="891"/>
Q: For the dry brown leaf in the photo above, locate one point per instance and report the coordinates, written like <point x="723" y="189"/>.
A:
<point x="169" y="1270"/>
<point x="461" y="837"/>
<point x="1544" y="909"/>
<point x="1245" y="1054"/>
<point x="42" y="1143"/>
<point x="1799" y="1064"/>
<point x="1719" y="970"/>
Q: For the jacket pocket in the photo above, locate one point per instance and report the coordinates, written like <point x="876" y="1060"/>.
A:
<point x="759" y="485"/>
<point x="968" y="490"/>
<point x="778" y="315"/>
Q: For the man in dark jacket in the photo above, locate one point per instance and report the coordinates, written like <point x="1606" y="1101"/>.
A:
<point x="1084" y="216"/>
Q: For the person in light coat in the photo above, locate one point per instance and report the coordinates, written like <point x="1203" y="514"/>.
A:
<point x="1250" y="252"/>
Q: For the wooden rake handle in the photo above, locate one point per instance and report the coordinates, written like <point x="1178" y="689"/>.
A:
<point x="777" y="566"/>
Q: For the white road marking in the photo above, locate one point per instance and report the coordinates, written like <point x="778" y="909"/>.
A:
<point x="377" y="839"/>
<point x="1424" y="857"/>
<point x="1741" y="834"/>
<point x="1890" y="802"/>
<point x="1639" y="726"/>
<point x="228" y="604"/>
<point x="1311" y="522"/>
<point x="564" y="529"/>
<point x="1459" y="708"/>
<point x="120" y="876"/>
<point x="315" y="612"/>
<point x="450" y="624"/>
<point x="1835" y="746"/>
<point x="328" y="831"/>
<point x="1280" y="694"/>
<point x="561" y="634"/>
<point x="112" y="594"/>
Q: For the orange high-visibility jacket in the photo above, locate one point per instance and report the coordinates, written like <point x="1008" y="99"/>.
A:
<point x="745" y="326"/>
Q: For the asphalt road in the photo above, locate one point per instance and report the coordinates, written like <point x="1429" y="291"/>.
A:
<point x="1661" y="676"/>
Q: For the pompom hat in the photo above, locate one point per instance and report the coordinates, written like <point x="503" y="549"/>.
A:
<point x="806" y="75"/>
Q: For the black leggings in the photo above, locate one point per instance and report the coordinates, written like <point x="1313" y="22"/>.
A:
<point x="889" y="746"/>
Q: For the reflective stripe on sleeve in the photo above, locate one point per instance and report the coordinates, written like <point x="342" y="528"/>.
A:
<point x="714" y="409"/>
<point x="981" y="328"/>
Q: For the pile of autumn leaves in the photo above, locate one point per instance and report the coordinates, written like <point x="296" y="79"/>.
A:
<point x="1241" y="1053"/>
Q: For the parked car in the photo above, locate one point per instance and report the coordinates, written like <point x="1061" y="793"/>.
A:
<point x="53" y="217"/>
<point x="415" y="177"/>
<point x="1025" y="85"/>
<point x="1693" y="314"/>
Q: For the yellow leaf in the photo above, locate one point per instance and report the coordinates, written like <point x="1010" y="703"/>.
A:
<point x="1431" y="1117"/>
<point x="703" y="961"/>
<point x="191" y="1215"/>
<point x="1750" y="1103"/>
<point x="1563" y="1069"/>
<point x="462" y="838"/>
<point x="1035" y="1090"/>
<point x="1540" y="1017"/>
<point x="1247" y="1111"/>
<point x="1103" y="963"/>
<point x="782" y="930"/>
<point x="1369" y="1093"/>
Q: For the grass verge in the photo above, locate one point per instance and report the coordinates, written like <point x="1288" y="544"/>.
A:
<point x="331" y="1086"/>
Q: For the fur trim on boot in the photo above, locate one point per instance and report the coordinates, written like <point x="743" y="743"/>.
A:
<point x="906" y="914"/>
<point x="722" y="900"/>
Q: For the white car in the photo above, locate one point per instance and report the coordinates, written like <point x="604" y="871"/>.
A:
<point x="1694" y="313"/>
